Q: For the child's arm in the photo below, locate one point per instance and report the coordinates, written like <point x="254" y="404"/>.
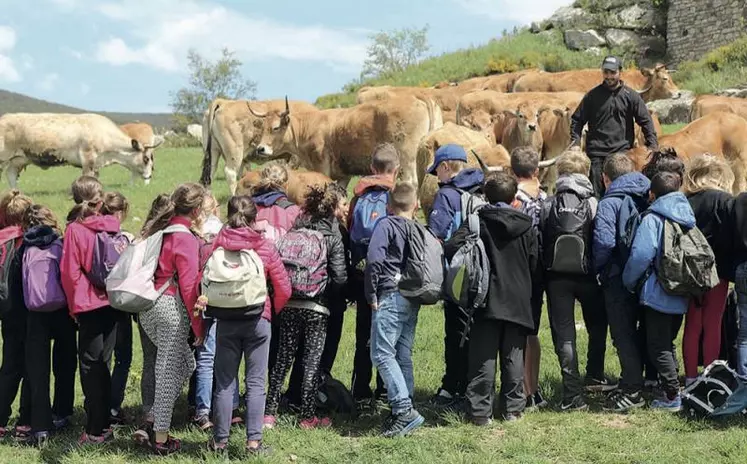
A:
<point x="337" y="266"/>
<point x="70" y="267"/>
<point x="604" y="236"/>
<point x="643" y="253"/>
<point x="441" y="216"/>
<point x="377" y="249"/>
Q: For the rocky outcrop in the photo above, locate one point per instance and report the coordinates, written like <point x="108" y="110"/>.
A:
<point x="740" y="92"/>
<point x="583" y="40"/>
<point x="621" y="38"/>
<point x="674" y="110"/>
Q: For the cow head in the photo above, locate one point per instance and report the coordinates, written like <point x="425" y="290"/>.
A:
<point x="277" y="138"/>
<point x="141" y="160"/>
<point x="659" y="84"/>
<point x="527" y="125"/>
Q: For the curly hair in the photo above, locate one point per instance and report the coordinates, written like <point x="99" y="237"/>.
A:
<point x="322" y="201"/>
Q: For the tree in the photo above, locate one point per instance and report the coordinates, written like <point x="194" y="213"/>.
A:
<point x="391" y="52"/>
<point x="209" y="80"/>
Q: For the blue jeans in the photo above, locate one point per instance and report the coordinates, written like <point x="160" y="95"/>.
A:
<point x="740" y="285"/>
<point x="205" y="357"/>
<point x="392" y="337"/>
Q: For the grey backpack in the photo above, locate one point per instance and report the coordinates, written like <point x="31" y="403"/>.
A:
<point x="423" y="276"/>
<point x="687" y="266"/>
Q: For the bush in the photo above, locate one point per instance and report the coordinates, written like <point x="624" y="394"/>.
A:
<point x="337" y="100"/>
<point x="181" y="140"/>
<point x="720" y="68"/>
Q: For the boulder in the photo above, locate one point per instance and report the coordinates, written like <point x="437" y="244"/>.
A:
<point x="621" y="38"/>
<point x="195" y="130"/>
<point x="567" y="17"/>
<point x="674" y="110"/>
<point x="535" y="27"/>
<point x="636" y="17"/>
<point x="583" y="40"/>
<point x="594" y="51"/>
<point x="737" y="93"/>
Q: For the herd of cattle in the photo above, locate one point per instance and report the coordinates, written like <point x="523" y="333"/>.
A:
<point x="489" y="116"/>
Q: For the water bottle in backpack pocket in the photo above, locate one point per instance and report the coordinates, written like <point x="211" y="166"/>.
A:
<point x="304" y="254"/>
<point x="42" y="285"/>
<point x="567" y="234"/>
<point x="235" y="280"/>
<point x="369" y="208"/>
<point x="107" y="248"/>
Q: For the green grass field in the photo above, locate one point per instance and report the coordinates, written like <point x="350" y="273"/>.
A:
<point x="540" y="437"/>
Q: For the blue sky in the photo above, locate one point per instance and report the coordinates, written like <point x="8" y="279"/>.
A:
<point x="127" y="55"/>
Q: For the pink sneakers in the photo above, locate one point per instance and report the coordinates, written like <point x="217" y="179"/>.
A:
<point x="315" y="423"/>
<point x="268" y="422"/>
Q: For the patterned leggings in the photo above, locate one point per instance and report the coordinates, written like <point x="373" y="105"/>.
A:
<point x="167" y="359"/>
<point x="296" y="325"/>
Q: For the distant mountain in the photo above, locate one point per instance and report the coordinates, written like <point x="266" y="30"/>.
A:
<point x="11" y="102"/>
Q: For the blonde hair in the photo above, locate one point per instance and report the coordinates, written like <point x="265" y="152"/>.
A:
<point x="13" y="207"/>
<point x="573" y="162"/>
<point x="115" y="202"/>
<point x="273" y="177"/>
<point x="40" y="215"/>
<point x="708" y="172"/>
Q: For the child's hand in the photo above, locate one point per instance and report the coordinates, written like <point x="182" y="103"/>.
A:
<point x="201" y="304"/>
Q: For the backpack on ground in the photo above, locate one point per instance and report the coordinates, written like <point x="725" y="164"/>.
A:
<point x="8" y="253"/>
<point x="567" y="233"/>
<point x="106" y="251"/>
<point x="368" y="209"/>
<point x="687" y="266"/>
<point x="42" y="284"/>
<point x="130" y="285"/>
<point x="235" y="280"/>
<point x="713" y="393"/>
<point x="468" y="274"/>
<point x="423" y="276"/>
<point x="334" y="396"/>
<point x="304" y="254"/>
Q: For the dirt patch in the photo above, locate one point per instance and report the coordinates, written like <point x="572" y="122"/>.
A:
<point x="615" y="422"/>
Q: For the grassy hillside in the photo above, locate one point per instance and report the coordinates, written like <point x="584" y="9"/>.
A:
<point x="11" y="102"/>
<point x="723" y="67"/>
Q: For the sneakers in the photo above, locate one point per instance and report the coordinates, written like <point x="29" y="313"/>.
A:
<point x="315" y="423"/>
<point x="576" y="404"/>
<point x="480" y="421"/>
<point x="117" y="418"/>
<point x="218" y="447"/>
<point x="535" y="401"/>
<point x="443" y="399"/>
<point x="38" y="439"/>
<point x="604" y="384"/>
<point x="170" y="446"/>
<point x="666" y="404"/>
<point x="202" y="422"/>
<point x="86" y="439"/>
<point x="403" y="424"/>
<point x="61" y="422"/>
<point x="511" y="416"/>
<point x="650" y="385"/>
<point x="259" y="450"/>
<point x="624" y="402"/>
<point x="268" y="422"/>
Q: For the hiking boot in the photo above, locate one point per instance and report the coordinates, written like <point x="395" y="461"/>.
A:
<point x="316" y="423"/>
<point x="268" y="422"/>
<point x="667" y="404"/>
<point x="603" y="384"/>
<point x="259" y="450"/>
<point x="202" y="422"/>
<point x="480" y="421"/>
<point x="443" y="399"/>
<point x="624" y="402"/>
<point x="575" y="404"/>
<point x="403" y="424"/>
<point x="170" y="446"/>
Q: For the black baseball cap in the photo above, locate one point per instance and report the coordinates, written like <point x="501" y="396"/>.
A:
<point x="612" y="63"/>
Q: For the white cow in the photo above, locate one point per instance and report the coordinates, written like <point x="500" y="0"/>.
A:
<point x="88" y="141"/>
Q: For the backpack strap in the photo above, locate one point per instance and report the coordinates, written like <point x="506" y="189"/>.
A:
<point x="284" y="203"/>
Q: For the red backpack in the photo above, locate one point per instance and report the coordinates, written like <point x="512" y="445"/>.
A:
<point x="275" y="221"/>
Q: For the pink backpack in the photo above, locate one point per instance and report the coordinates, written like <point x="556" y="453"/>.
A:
<point x="304" y="254"/>
<point x="275" y="221"/>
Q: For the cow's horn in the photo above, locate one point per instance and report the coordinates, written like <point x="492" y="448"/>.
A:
<point x="255" y="113"/>
<point x="641" y="92"/>
<point x="547" y="163"/>
<point x="485" y="168"/>
<point x="159" y="140"/>
<point x="287" y="107"/>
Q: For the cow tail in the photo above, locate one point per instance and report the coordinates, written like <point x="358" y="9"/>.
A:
<point x="207" y="157"/>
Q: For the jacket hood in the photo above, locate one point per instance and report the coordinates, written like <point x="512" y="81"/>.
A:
<point x="100" y="223"/>
<point x="239" y="239"/>
<point x="504" y="222"/>
<point x="675" y="207"/>
<point x="380" y="181"/>
<point x="576" y="183"/>
<point x="40" y="236"/>
<point x="269" y="198"/>
<point x="467" y="179"/>
<point x="632" y="183"/>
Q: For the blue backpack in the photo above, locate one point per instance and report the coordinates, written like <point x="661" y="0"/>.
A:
<point x="629" y="219"/>
<point x="369" y="208"/>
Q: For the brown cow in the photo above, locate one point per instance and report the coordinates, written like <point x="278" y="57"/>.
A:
<point x="652" y="84"/>
<point x="521" y="128"/>
<point x="143" y="133"/>
<point x="505" y="82"/>
<point x="231" y="130"/>
<point x="719" y="133"/>
<point x="446" y="98"/>
<point x="339" y="142"/>
<point x="707" y="104"/>
<point x="491" y="154"/>
<point x="298" y="183"/>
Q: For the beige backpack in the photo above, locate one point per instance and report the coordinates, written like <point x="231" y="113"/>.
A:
<point x="234" y="280"/>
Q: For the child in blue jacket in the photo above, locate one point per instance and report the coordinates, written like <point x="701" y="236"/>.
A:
<point x="663" y="312"/>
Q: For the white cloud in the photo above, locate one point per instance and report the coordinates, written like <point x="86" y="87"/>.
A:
<point x="48" y="82"/>
<point x="522" y="11"/>
<point x="163" y="31"/>
<point x="8" y="71"/>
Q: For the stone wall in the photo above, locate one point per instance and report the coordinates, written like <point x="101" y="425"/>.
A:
<point x="695" y="27"/>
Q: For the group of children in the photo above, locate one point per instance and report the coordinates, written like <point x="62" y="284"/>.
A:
<point x="270" y="285"/>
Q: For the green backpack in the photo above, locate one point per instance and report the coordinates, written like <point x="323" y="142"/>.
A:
<point x="687" y="266"/>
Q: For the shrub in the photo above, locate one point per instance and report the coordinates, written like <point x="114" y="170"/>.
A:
<point x="720" y="68"/>
<point x="181" y="140"/>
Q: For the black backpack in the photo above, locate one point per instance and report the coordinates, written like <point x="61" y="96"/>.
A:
<point x="567" y="233"/>
<point x="334" y="396"/>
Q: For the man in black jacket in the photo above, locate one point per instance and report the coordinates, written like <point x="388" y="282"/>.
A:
<point x="501" y="328"/>
<point x="610" y="109"/>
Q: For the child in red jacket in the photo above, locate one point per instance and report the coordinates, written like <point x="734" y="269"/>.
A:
<point x="245" y="333"/>
<point x="167" y="359"/>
